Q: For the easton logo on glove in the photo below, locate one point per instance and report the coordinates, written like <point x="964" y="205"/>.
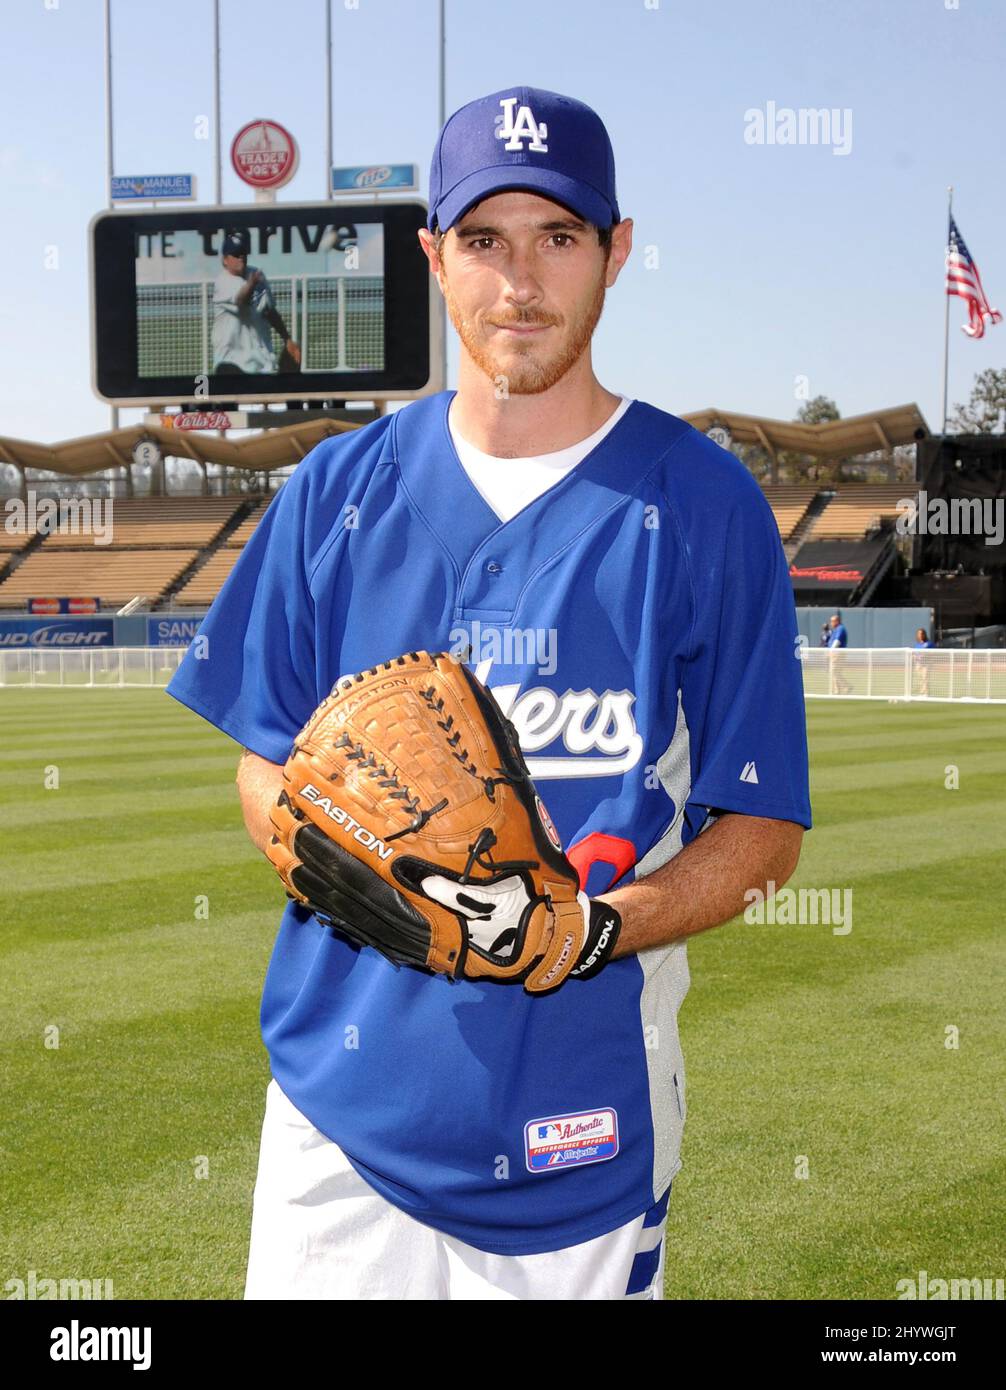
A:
<point x="409" y="822"/>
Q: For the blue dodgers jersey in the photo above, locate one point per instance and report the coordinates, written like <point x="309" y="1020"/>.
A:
<point x="636" y="623"/>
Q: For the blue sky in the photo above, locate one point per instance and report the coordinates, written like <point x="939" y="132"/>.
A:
<point x="774" y="262"/>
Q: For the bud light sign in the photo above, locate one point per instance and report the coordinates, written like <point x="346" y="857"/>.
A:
<point x="71" y="635"/>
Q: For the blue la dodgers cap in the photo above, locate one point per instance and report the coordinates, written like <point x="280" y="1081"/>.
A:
<point x="523" y="137"/>
<point x="236" y="243"/>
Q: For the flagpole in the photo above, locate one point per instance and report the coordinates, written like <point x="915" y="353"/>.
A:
<point x="946" y="316"/>
<point x="217" y="172"/>
<point x="109" y="140"/>
<point x="441" y="307"/>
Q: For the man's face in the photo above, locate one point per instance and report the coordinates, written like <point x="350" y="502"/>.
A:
<point x="235" y="264"/>
<point x="524" y="281"/>
<point x="835" y="620"/>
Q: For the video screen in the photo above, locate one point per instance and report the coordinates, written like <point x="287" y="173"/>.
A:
<point x="248" y="301"/>
<point x="262" y="303"/>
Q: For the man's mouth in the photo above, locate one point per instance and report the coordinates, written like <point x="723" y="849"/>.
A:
<point x="522" y="327"/>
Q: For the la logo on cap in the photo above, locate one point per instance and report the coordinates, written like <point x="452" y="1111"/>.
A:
<point x="525" y="127"/>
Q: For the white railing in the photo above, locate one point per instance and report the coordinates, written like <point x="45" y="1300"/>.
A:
<point x="94" y="668"/>
<point x="900" y="673"/>
<point x="851" y="673"/>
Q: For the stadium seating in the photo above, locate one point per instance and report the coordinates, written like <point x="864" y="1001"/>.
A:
<point x="242" y="535"/>
<point x="145" y="522"/>
<point x="789" y="502"/>
<point x="12" y="540"/>
<point x="858" y="508"/>
<point x="153" y="540"/>
<point x="113" y="576"/>
<point x="202" y="588"/>
<point x="206" y="583"/>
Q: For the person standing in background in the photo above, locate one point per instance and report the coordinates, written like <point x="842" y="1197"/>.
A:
<point x="837" y="640"/>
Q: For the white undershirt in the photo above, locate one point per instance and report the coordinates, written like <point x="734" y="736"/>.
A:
<point x="509" y="485"/>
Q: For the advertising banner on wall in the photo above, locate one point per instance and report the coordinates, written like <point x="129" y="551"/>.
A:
<point x="64" y="605"/>
<point x="39" y="634"/>
<point x="172" y="632"/>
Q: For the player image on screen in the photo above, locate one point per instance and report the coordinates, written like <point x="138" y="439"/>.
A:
<point x="244" y="312"/>
<point x="314" y="301"/>
<point x="442" y="1123"/>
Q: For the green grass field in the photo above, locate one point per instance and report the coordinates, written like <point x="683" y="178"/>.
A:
<point x="798" y="1041"/>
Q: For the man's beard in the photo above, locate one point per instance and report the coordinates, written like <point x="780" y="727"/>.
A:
<point x="533" y="367"/>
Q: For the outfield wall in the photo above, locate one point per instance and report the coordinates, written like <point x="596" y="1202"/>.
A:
<point x="102" y="630"/>
<point x="867" y="627"/>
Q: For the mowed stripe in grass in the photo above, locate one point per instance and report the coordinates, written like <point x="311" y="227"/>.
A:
<point x="798" y="1041"/>
<point x="159" y="1075"/>
<point x="811" y="1051"/>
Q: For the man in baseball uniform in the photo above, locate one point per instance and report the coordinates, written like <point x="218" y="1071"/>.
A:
<point x="617" y="581"/>
<point x="244" y="312"/>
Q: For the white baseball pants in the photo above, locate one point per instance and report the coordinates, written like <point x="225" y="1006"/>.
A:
<point x="320" y="1232"/>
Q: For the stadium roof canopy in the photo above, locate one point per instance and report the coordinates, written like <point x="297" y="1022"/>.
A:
<point x="278" y="448"/>
<point x="92" y="453"/>
<point x="859" y="434"/>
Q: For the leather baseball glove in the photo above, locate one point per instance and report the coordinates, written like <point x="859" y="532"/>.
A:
<point x="408" y="821"/>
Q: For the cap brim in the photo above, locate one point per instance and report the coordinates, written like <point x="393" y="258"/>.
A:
<point x="578" y="197"/>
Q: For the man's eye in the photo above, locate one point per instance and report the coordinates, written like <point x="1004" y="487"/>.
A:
<point x="567" y="239"/>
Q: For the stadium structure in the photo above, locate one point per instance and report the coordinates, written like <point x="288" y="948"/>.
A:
<point x="858" y="538"/>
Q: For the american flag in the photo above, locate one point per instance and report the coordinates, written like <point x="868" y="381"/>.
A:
<point x="963" y="279"/>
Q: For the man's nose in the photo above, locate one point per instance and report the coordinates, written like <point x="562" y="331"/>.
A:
<point x="522" y="275"/>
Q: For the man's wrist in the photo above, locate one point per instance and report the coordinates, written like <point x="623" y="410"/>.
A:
<point x="603" y="925"/>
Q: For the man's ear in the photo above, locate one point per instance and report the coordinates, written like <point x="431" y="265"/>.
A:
<point x="428" y="242"/>
<point x="621" y="245"/>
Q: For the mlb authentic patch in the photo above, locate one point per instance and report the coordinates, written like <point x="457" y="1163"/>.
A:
<point x="562" y="1141"/>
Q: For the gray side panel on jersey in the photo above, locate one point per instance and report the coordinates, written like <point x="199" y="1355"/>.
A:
<point x="666" y="978"/>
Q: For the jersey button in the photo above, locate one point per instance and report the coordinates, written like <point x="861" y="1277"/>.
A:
<point x="493" y="568"/>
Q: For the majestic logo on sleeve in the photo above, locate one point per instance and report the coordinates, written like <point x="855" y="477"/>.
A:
<point x="598" y="731"/>
<point x="516" y="129"/>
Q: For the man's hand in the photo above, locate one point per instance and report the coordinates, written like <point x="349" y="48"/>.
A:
<point x="409" y="823"/>
<point x="259" y="785"/>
